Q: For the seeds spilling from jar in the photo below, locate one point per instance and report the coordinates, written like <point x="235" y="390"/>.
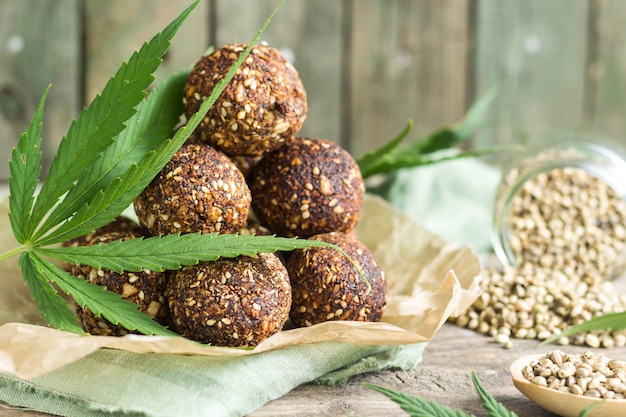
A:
<point x="568" y="235"/>
<point x="587" y="374"/>
<point x="567" y="219"/>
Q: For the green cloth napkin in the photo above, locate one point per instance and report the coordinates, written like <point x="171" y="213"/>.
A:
<point x="118" y="383"/>
<point x="453" y="199"/>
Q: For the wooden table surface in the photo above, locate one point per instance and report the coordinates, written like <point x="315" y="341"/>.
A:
<point x="444" y="376"/>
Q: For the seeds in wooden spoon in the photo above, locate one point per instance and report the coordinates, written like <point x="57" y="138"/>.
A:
<point x="588" y="374"/>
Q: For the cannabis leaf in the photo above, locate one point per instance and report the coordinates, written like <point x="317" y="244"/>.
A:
<point x="418" y="407"/>
<point x="437" y="146"/>
<point x="493" y="407"/>
<point x="53" y="308"/>
<point x="111" y="152"/>
<point x="608" y="321"/>
<point x="95" y="128"/>
<point x="172" y="251"/>
<point x="25" y="168"/>
<point x="150" y="125"/>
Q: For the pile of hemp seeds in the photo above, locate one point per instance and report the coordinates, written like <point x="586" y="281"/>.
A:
<point x="569" y="233"/>
<point x="588" y="374"/>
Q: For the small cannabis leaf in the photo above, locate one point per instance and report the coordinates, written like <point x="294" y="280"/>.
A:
<point x="608" y="321"/>
<point x="493" y="407"/>
<point x="436" y="147"/>
<point x="111" y="152"/>
<point x="418" y="407"/>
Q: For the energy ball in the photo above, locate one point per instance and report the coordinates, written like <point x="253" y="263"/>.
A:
<point x="307" y="187"/>
<point x="145" y="288"/>
<point x="230" y="302"/>
<point x="198" y="190"/>
<point x="263" y="106"/>
<point x="326" y="286"/>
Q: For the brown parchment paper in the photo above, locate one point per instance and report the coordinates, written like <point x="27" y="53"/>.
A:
<point x="429" y="280"/>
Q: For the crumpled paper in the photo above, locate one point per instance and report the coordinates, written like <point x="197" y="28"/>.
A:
<point x="429" y="280"/>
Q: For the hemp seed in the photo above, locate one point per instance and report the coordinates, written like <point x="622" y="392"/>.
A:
<point x="588" y="374"/>
<point x="567" y="235"/>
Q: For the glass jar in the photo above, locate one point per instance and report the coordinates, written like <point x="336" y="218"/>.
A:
<point x="563" y="206"/>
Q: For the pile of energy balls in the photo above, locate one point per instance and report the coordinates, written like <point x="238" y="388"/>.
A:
<point x="245" y="171"/>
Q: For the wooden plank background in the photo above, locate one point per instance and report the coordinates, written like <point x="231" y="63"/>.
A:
<point x="368" y="65"/>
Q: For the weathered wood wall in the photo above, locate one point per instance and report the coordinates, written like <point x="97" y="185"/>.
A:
<point x="368" y="65"/>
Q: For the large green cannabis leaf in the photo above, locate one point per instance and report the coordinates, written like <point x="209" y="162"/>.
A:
<point x="111" y="152"/>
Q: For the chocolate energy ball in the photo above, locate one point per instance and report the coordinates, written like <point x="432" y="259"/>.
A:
<point x="198" y="190"/>
<point x="262" y="107"/>
<point x="145" y="288"/>
<point x="307" y="187"/>
<point x="230" y="302"/>
<point x="326" y="286"/>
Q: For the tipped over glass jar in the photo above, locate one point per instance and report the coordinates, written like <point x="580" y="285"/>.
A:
<point x="563" y="207"/>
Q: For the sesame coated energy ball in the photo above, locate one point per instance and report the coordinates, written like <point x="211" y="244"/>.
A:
<point x="307" y="187"/>
<point x="262" y="107"/>
<point x="230" y="302"/>
<point x="326" y="286"/>
<point x="145" y="288"/>
<point x="198" y="190"/>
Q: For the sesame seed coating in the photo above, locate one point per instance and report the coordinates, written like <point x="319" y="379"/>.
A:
<point x="230" y="302"/>
<point x="307" y="187"/>
<point x="145" y="288"/>
<point x="198" y="190"/>
<point x="326" y="286"/>
<point x="262" y="107"/>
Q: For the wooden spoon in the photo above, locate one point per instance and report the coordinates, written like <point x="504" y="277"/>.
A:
<point x="562" y="403"/>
